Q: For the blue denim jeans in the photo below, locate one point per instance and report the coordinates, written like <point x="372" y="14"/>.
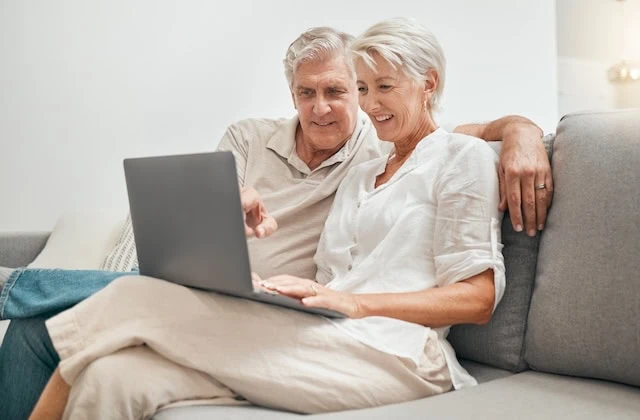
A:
<point x="27" y="356"/>
<point x="27" y="360"/>
<point x="31" y="292"/>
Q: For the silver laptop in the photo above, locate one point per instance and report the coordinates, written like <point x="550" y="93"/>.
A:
<point x="189" y="228"/>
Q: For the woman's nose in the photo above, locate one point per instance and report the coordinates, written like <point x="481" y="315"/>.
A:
<point x="368" y="102"/>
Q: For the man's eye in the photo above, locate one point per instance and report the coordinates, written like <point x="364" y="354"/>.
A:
<point x="335" y="92"/>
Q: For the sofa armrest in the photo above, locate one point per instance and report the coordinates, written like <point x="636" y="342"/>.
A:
<point x="19" y="249"/>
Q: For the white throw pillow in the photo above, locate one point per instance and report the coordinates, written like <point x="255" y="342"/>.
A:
<point x="125" y="256"/>
<point x="80" y="241"/>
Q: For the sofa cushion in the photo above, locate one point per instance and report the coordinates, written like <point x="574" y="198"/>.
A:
<point x="586" y="303"/>
<point x="528" y="395"/>
<point x="500" y="343"/>
<point x="19" y="249"/>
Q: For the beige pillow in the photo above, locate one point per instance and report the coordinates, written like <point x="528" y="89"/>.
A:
<point x="80" y="241"/>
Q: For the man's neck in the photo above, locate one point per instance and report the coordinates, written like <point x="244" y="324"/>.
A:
<point x="311" y="156"/>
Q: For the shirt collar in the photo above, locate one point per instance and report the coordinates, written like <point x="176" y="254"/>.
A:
<point x="416" y="157"/>
<point x="283" y="143"/>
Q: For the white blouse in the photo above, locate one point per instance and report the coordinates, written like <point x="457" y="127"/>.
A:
<point x="434" y="223"/>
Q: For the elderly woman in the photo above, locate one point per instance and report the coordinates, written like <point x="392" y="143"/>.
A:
<point x="401" y="226"/>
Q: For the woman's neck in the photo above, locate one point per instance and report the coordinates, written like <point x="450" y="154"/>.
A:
<point x="404" y="147"/>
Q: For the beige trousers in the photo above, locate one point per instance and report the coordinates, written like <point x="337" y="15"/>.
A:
<point x="142" y="344"/>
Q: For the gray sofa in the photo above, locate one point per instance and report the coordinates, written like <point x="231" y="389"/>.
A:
<point x="565" y="340"/>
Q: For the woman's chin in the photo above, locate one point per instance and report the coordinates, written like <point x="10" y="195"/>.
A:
<point x="384" y="135"/>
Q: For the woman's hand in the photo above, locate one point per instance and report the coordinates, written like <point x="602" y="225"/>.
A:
<point x="313" y="294"/>
<point x="257" y="221"/>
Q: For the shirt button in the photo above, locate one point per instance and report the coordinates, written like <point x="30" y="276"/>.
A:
<point x="359" y="205"/>
<point x="350" y="267"/>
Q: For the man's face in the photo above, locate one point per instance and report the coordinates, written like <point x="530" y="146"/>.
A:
<point x="326" y="98"/>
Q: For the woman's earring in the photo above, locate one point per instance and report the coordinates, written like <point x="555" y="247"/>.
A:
<point x="424" y="105"/>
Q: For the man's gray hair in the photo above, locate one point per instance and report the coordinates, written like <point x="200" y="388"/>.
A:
<point x="405" y="44"/>
<point x="318" y="44"/>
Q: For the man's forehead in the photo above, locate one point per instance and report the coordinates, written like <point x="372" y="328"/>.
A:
<point x="325" y="79"/>
<point x="323" y="72"/>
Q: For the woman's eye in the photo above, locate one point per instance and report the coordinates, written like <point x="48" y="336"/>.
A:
<point x="362" y="89"/>
<point x="385" y="87"/>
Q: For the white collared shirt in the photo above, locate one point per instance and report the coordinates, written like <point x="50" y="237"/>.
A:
<point x="434" y="223"/>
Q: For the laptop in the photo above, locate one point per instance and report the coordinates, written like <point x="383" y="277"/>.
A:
<point x="189" y="228"/>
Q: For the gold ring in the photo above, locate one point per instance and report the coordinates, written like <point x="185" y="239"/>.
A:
<point x="540" y="186"/>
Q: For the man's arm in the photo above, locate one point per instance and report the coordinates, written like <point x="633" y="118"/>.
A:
<point x="257" y="220"/>
<point x="524" y="164"/>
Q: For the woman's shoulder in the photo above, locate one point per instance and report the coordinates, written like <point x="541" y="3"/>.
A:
<point x="465" y="147"/>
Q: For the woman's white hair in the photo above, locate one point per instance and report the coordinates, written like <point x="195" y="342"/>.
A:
<point x="405" y="44"/>
<point x="317" y="44"/>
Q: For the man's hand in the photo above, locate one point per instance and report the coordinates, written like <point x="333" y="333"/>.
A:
<point x="313" y="294"/>
<point x="257" y="221"/>
<point x="526" y="184"/>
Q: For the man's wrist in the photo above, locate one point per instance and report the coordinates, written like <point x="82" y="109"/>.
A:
<point x="521" y="129"/>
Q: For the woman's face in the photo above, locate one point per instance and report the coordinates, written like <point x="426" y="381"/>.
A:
<point x="393" y="101"/>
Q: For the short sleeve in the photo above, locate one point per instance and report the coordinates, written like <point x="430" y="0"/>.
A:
<point x="467" y="226"/>
<point x="235" y="142"/>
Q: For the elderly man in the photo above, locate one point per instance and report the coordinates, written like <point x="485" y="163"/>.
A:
<point x="296" y="165"/>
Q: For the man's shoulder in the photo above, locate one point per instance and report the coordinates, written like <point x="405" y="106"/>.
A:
<point x="252" y="128"/>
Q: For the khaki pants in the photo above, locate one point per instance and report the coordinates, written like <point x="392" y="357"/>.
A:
<point x="142" y="344"/>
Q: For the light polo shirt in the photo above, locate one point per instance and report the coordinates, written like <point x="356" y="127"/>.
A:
<point x="434" y="223"/>
<point x="298" y="198"/>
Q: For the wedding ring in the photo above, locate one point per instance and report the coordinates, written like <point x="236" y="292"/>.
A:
<point x="540" y="186"/>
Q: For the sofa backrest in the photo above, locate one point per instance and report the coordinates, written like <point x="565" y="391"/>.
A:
<point x="500" y="343"/>
<point x="585" y="311"/>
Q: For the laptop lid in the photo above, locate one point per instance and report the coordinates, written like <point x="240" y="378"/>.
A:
<point x="188" y="220"/>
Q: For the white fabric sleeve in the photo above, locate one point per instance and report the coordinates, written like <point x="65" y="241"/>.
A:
<point x="467" y="226"/>
<point x="235" y="141"/>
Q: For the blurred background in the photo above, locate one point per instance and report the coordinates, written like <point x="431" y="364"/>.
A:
<point x="598" y="54"/>
<point x="86" y="83"/>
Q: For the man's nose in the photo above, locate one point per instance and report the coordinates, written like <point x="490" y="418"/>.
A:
<point x="321" y="107"/>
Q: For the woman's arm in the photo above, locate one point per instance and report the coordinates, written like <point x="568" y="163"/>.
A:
<point x="470" y="301"/>
<point x="467" y="302"/>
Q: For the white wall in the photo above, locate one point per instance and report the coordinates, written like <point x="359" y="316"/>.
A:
<point x="593" y="29"/>
<point x="583" y="85"/>
<point x="84" y="84"/>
